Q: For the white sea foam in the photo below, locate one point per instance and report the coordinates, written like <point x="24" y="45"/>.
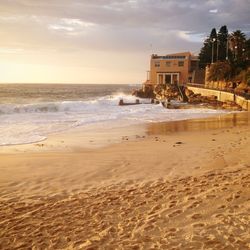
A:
<point x="27" y="123"/>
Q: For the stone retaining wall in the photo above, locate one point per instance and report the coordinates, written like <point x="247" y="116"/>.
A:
<point x="223" y="96"/>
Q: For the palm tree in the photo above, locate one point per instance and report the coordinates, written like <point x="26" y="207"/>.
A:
<point x="237" y="44"/>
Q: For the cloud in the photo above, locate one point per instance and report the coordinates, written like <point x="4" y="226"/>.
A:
<point x="213" y="11"/>
<point x="114" y="26"/>
<point x="190" y="36"/>
<point x="105" y="20"/>
<point x="70" y="25"/>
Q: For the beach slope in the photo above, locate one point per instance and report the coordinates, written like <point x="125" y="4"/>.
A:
<point x="177" y="188"/>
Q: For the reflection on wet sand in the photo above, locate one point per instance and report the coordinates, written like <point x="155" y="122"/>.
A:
<point x="218" y="122"/>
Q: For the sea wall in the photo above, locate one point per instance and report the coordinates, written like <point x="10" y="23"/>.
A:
<point x="222" y="96"/>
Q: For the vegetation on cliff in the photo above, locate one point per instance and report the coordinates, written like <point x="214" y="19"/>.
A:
<point x="222" y="46"/>
<point x="227" y="54"/>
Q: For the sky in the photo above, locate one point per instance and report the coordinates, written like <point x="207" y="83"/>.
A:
<point x="104" y="41"/>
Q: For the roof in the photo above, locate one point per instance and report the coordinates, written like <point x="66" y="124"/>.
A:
<point x="180" y="55"/>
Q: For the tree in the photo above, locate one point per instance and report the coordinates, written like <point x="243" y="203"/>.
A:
<point x="238" y="45"/>
<point x="205" y="55"/>
<point x="223" y="43"/>
<point x="233" y="51"/>
<point x="247" y="51"/>
<point x="213" y="44"/>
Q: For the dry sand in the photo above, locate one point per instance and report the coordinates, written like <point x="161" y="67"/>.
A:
<point x="184" y="186"/>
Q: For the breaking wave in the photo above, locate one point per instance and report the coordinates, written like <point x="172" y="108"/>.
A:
<point x="27" y="123"/>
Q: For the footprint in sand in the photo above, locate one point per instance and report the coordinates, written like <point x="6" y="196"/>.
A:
<point x="175" y="213"/>
<point x="218" y="215"/>
<point x="229" y="199"/>
<point x="222" y="207"/>
<point x="172" y="205"/>
<point x="195" y="225"/>
<point x="209" y="196"/>
<point x="194" y="204"/>
<point x="172" y="197"/>
<point x="196" y="216"/>
<point x="236" y="196"/>
<point x="191" y="198"/>
<point x="171" y="232"/>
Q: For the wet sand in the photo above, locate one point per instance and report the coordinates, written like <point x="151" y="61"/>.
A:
<point x="178" y="185"/>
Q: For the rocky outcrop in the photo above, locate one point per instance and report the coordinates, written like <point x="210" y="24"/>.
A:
<point x="231" y="106"/>
<point x="162" y="92"/>
<point x="198" y="98"/>
<point x="147" y="91"/>
<point x="165" y="93"/>
<point x="211" y="101"/>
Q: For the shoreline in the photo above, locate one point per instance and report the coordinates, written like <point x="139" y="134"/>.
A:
<point x="91" y="137"/>
<point x="185" y="185"/>
<point x="156" y="139"/>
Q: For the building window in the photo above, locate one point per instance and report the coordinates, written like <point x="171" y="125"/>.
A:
<point x="168" y="64"/>
<point x="157" y="64"/>
<point x="180" y="63"/>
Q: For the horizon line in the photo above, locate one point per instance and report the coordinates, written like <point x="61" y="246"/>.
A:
<point x="65" y="83"/>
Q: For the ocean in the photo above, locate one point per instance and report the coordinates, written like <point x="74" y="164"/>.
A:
<point x="30" y="112"/>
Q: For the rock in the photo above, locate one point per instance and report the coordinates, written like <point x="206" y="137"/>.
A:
<point x="169" y="92"/>
<point x="231" y="106"/>
<point x="121" y="102"/>
<point x="189" y="92"/>
<point x="165" y="93"/>
<point x="145" y="92"/>
<point x="212" y="97"/>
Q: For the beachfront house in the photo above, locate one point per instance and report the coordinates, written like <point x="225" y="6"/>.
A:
<point x="181" y="68"/>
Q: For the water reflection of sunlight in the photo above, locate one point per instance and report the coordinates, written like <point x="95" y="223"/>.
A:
<point x="218" y="122"/>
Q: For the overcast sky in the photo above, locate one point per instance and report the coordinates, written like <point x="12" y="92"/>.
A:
<point x="104" y="41"/>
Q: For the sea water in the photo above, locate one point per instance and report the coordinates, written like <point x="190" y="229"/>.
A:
<point x="30" y="112"/>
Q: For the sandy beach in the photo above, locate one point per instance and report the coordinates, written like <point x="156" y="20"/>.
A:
<point x="176" y="185"/>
